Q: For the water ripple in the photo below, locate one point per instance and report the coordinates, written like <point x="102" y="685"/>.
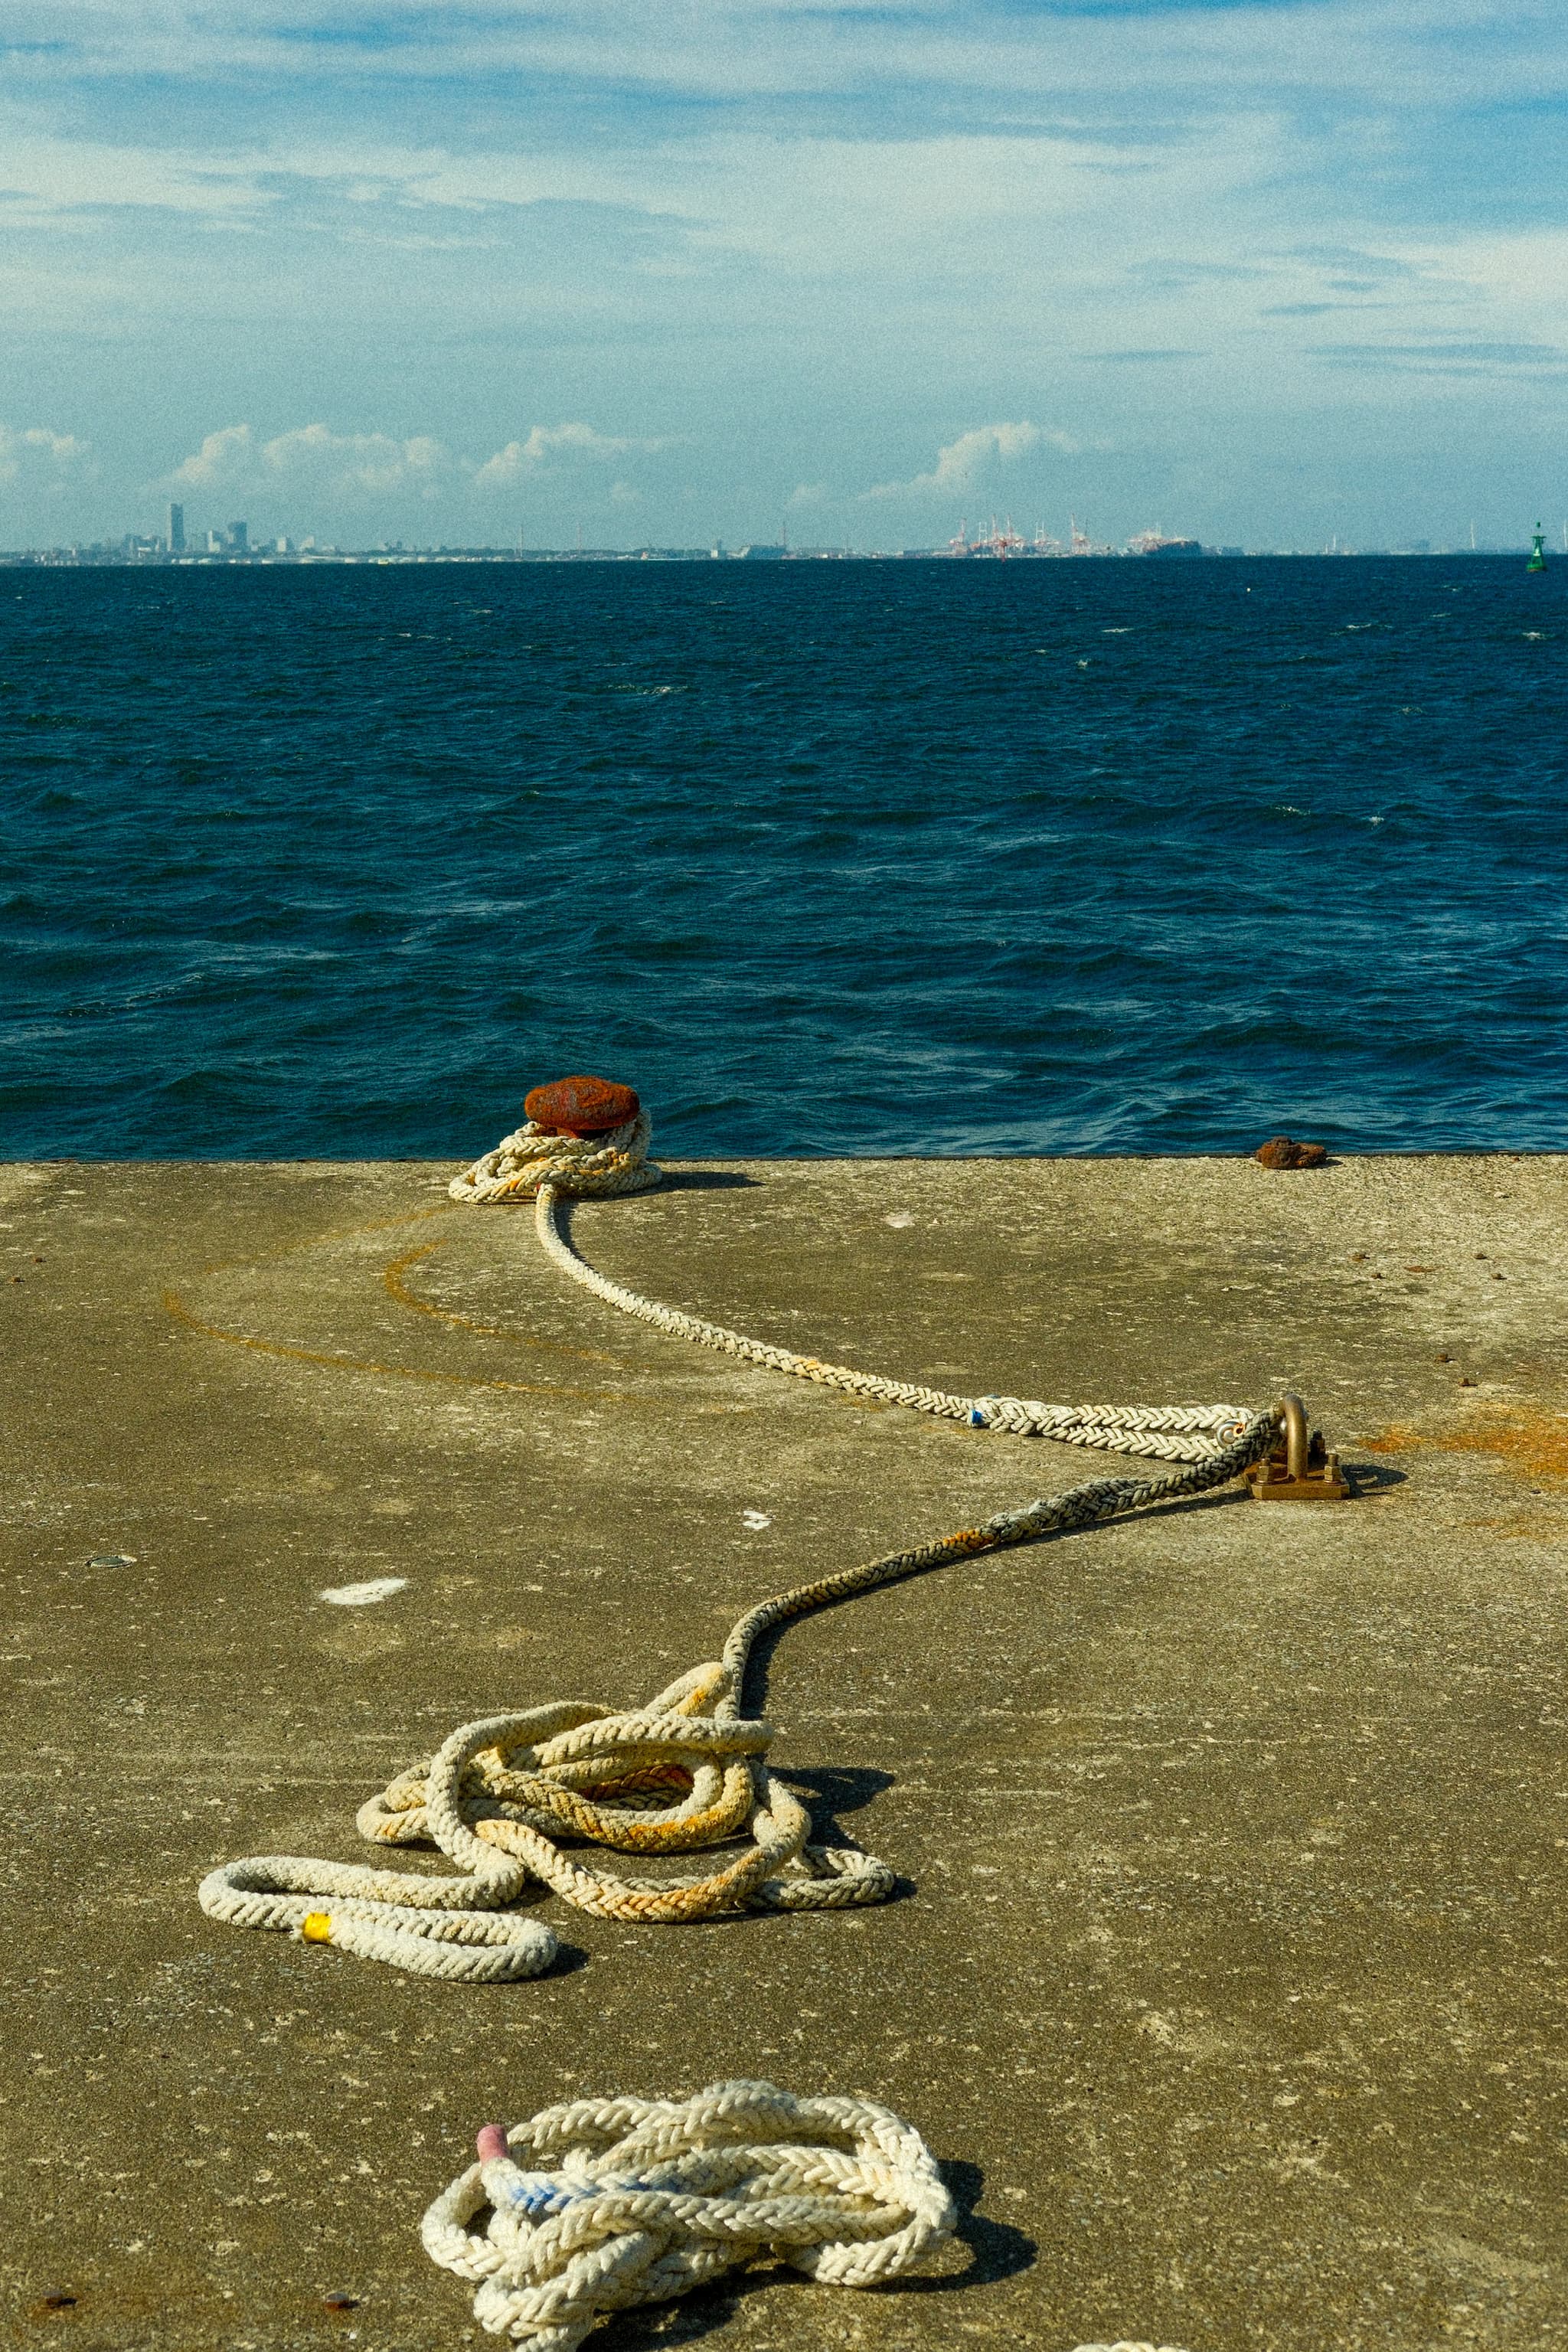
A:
<point x="1028" y="857"/>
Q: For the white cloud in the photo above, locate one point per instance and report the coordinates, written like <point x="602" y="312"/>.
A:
<point x="313" y="465"/>
<point x="339" y="464"/>
<point x="968" y="462"/>
<point x="1527" y="268"/>
<point x="51" y="175"/>
<point x="975" y="206"/>
<point x="369" y="462"/>
<point x="547" y="444"/>
<point x="33" y="453"/>
<point x="223" y="458"/>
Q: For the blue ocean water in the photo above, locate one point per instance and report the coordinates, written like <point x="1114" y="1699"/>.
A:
<point x="1087" y="856"/>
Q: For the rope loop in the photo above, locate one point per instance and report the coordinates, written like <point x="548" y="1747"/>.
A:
<point x="676" y="1775"/>
<point x="594" y="1166"/>
<point x="600" y="2204"/>
<point x="459" y="1928"/>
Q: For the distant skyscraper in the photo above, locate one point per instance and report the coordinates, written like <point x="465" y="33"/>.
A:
<point x="239" y="538"/>
<point x="176" y="530"/>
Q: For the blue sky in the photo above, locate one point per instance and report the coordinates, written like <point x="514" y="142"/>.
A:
<point x="675" y="270"/>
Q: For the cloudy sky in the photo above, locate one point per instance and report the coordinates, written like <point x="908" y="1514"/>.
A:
<point x="685" y="268"/>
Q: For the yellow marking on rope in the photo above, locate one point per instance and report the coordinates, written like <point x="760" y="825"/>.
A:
<point x="174" y="1306"/>
<point x="398" y="1289"/>
<point x="316" y="1927"/>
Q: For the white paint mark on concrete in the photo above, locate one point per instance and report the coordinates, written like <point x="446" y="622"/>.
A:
<point x="1124" y="2345"/>
<point x="361" y="1596"/>
<point x="756" y="1520"/>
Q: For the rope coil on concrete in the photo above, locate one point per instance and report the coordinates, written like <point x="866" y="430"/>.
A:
<point x="686" y="1773"/>
<point x="600" y="2204"/>
<point x="501" y="1793"/>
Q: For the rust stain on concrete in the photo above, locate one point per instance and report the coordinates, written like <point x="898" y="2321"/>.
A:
<point x="1526" y="1437"/>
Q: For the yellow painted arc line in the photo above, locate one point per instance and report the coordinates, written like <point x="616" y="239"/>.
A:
<point x="175" y="1306"/>
<point x="405" y="1297"/>
<point x="335" y="1233"/>
<point x="397" y="1288"/>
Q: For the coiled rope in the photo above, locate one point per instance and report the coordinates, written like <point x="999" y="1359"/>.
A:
<point x="596" y="1166"/>
<point x="500" y="1794"/>
<point x="624" y="2201"/>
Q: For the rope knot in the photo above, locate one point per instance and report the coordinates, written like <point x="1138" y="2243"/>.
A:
<point x="680" y="1775"/>
<point x="631" y="2201"/>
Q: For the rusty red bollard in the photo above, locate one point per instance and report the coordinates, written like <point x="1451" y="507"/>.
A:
<point x="580" y="1106"/>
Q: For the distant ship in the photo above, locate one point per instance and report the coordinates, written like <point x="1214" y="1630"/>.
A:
<point x="1154" y="543"/>
<point x="1002" y="541"/>
<point x="1537" y="551"/>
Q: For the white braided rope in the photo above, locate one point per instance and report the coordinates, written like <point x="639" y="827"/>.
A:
<point x="1167" y="1433"/>
<point x="550" y="1166"/>
<point x="430" y="1926"/>
<point x="624" y="2201"/>
<point x="594" y="1165"/>
<point x="378" y="1915"/>
<point x="502" y="1792"/>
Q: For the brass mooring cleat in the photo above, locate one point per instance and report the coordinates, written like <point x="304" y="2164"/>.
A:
<point x="1300" y="1469"/>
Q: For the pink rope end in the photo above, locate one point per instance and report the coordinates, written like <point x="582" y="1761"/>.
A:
<point x="491" y="2143"/>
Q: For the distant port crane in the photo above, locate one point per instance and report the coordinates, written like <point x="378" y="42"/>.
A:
<point x="1000" y="541"/>
<point x="1003" y="541"/>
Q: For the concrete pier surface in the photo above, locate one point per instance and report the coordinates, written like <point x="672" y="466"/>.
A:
<point x="1228" y="1981"/>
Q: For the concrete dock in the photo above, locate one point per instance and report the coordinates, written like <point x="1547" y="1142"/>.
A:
<point x="1228" y="1979"/>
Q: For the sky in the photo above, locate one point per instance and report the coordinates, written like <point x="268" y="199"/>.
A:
<point x="1268" y="274"/>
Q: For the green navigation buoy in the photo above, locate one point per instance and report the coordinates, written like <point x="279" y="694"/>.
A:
<point x="1537" y="551"/>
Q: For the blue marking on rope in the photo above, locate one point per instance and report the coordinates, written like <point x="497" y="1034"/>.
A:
<point x="541" y="2193"/>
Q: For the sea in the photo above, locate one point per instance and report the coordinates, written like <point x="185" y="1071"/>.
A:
<point x="1076" y="856"/>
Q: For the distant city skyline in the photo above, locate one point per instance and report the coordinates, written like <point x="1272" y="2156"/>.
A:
<point x="998" y="538"/>
<point x="1270" y="273"/>
<point x="234" y="544"/>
